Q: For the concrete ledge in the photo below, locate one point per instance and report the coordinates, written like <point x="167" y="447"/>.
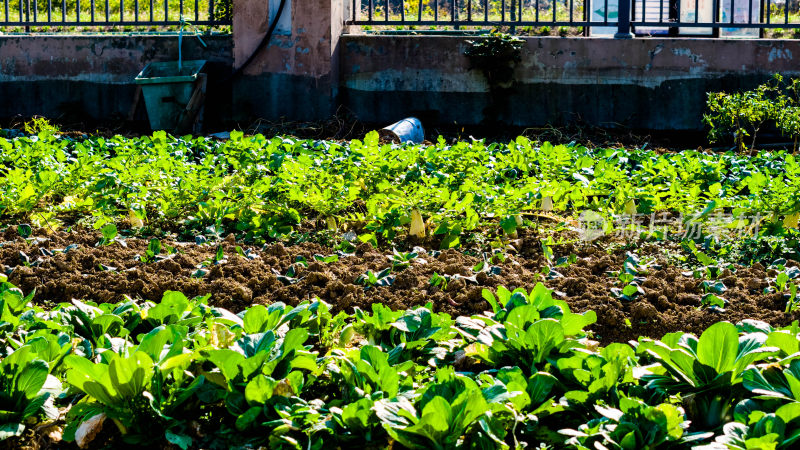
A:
<point x="644" y="83"/>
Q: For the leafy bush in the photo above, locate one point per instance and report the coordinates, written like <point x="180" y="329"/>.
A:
<point x="744" y="113"/>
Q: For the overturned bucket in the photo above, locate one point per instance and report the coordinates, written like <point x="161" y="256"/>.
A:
<point x="406" y="130"/>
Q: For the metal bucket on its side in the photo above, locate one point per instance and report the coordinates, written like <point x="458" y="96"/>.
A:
<point x="406" y="130"/>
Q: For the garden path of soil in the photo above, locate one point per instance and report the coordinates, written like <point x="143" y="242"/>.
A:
<point x="669" y="303"/>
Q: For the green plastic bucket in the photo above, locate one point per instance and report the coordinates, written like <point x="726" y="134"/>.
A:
<point x="166" y="91"/>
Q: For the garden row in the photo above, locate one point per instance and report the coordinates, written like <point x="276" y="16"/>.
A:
<point x="264" y="189"/>
<point x="183" y="372"/>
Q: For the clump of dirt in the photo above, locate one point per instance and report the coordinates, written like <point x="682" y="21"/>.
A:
<point x="670" y="301"/>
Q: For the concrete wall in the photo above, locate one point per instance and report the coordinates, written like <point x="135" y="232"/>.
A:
<point x="307" y="72"/>
<point x="90" y="77"/>
<point x="645" y="83"/>
<point x="295" y="76"/>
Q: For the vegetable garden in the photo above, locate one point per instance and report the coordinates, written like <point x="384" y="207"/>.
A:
<point x="288" y="293"/>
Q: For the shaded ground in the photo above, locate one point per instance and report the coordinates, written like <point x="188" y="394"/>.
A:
<point x="105" y="274"/>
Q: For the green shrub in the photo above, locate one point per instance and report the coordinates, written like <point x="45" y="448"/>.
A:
<point x="743" y="114"/>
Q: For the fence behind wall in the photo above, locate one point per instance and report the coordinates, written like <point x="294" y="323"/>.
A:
<point x="713" y="18"/>
<point x="24" y="15"/>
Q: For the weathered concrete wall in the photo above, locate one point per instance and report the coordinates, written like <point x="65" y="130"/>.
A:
<point x="296" y="75"/>
<point x="657" y="84"/>
<point x="646" y="83"/>
<point x="85" y="77"/>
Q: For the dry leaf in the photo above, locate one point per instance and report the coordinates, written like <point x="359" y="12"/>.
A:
<point x="547" y="203"/>
<point x="89" y="429"/>
<point x="791" y="220"/>
<point x="417" y="224"/>
<point x="630" y="207"/>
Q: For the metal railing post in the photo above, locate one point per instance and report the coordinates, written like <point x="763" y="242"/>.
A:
<point x="624" y="20"/>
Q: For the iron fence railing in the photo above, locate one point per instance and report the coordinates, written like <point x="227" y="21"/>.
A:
<point x="17" y="15"/>
<point x="622" y="18"/>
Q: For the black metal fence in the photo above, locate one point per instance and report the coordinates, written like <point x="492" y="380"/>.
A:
<point x="621" y="18"/>
<point x="28" y="15"/>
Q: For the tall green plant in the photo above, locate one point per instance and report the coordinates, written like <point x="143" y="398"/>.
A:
<point x="744" y="113"/>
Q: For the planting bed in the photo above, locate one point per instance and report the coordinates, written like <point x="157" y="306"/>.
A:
<point x="671" y="299"/>
<point x="294" y="294"/>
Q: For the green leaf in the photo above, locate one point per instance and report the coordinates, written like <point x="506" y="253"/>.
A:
<point x="630" y="290"/>
<point x="450" y="241"/>
<point x="718" y="347"/>
<point x="227" y="361"/>
<point x="704" y="259"/>
<point x="107" y="324"/>
<point x="544" y="336"/>
<point x="35" y="406"/>
<point x="24" y="230"/>
<point x="247" y="419"/>
<point x="435" y="418"/>
<point x="712" y="300"/>
<point x="509" y="225"/>
<point x="31" y="378"/>
<point x="90" y="378"/>
<point x="181" y="440"/>
<point x="154" y="247"/>
<point x="574" y="324"/>
<point x="130" y="376"/>
<point x="259" y="390"/>
<point x="489" y="297"/>
<point x="255" y="319"/>
<point x="172" y="306"/>
<point x="109" y="232"/>
<point x="356" y="416"/>
<point x="788" y="412"/>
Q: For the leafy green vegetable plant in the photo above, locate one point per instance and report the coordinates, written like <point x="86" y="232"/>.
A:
<point x="370" y="279"/>
<point x="707" y="371"/>
<point x="27" y="390"/>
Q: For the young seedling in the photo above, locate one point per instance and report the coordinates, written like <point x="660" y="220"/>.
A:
<point x="217" y="259"/>
<point x="783" y="278"/>
<point x="370" y="278"/>
<point x="510" y="225"/>
<point x="104" y="268"/>
<point x="713" y="287"/>
<point x="346" y="248"/>
<point x="439" y="281"/>
<point x="246" y="254"/>
<point x="301" y="260"/>
<point x="486" y="266"/>
<point x="628" y="293"/>
<point x="566" y="261"/>
<point x="710" y="268"/>
<point x="326" y="259"/>
<point x="713" y="301"/>
<point x="290" y="277"/>
<point x="153" y="250"/>
<point x="110" y="235"/>
<point x="793" y="302"/>
<point x="24" y="230"/>
<point x="402" y="260"/>
<point x="24" y="259"/>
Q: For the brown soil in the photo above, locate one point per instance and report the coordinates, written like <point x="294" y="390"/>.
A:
<point x="669" y="303"/>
